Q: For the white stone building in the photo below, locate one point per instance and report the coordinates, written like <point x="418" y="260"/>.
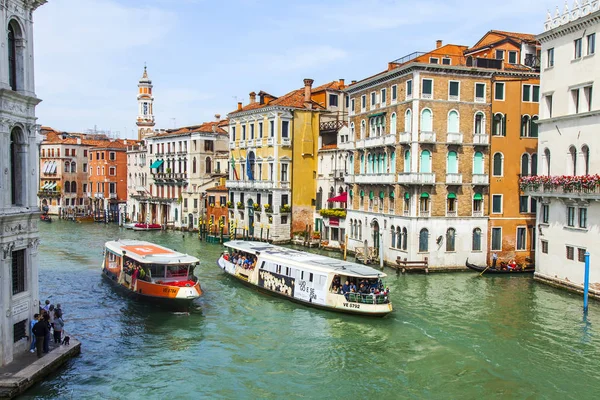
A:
<point x="137" y="182"/>
<point x="19" y="213"/>
<point x="568" y="215"/>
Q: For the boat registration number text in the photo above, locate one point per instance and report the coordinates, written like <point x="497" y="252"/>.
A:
<point x="351" y="305"/>
<point x="169" y="290"/>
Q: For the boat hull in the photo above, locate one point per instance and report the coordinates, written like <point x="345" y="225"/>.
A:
<point x="353" y="311"/>
<point x="490" y="270"/>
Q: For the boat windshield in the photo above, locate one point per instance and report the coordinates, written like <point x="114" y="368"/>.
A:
<point x="161" y="271"/>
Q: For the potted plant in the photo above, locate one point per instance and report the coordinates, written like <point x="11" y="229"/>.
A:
<point x="239" y="204"/>
<point x="229" y="204"/>
<point x="256" y="207"/>
<point x="285" y="208"/>
<point x="268" y="208"/>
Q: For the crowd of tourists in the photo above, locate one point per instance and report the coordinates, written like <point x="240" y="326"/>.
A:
<point x="373" y="287"/>
<point x="246" y="261"/>
<point x="48" y="321"/>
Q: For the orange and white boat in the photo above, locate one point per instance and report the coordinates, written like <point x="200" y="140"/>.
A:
<point x="151" y="272"/>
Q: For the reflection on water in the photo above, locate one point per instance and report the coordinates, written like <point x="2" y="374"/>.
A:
<point x="451" y="335"/>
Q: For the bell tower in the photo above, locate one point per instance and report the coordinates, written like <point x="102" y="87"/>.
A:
<point x="145" y="118"/>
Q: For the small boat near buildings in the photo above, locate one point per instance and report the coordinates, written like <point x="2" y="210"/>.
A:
<point x="150" y="272"/>
<point x="306" y="278"/>
<point x="527" y="270"/>
<point x="45" y="218"/>
<point x="147" y="227"/>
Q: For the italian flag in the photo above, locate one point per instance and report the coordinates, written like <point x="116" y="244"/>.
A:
<point x="235" y="174"/>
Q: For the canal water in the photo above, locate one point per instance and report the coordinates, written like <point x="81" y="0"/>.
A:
<point x="451" y="336"/>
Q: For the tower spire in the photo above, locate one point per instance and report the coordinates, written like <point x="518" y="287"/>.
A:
<point x="145" y="118"/>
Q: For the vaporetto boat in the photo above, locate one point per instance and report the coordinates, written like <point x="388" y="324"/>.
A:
<point x="306" y="278"/>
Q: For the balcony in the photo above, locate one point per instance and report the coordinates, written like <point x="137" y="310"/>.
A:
<point x="377" y="141"/>
<point x="270" y="141"/>
<point x="481" y="179"/>
<point x="346" y="145"/>
<point x="242" y="144"/>
<point x="550" y="190"/>
<point x="249" y="185"/>
<point x="481" y="139"/>
<point x="140" y="189"/>
<point x="250" y="143"/>
<point x="424" y="213"/>
<point x="349" y="179"/>
<point x="454" y="179"/>
<point x="375" y="179"/>
<point x="451" y="213"/>
<point x="339" y="174"/>
<point x="455" y="138"/>
<point x="427" y="137"/>
<point x="99" y="195"/>
<point x="286" y="141"/>
<point x="49" y="193"/>
<point x="405" y="137"/>
<point x="112" y="196"/>
<point x="232" y="145"/>
<point x="533" y="61"/>
<point x="478" y="213"/>
<point x="416" y="178"/>
<point x="259" y="142"/>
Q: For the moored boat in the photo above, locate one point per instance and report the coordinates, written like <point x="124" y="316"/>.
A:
<point x="147" y="227"/>
<point x="45" y="218"/>
<point x="479" y="268"/>
<point x="151" y="272"/>
<point x="306" y="278"/>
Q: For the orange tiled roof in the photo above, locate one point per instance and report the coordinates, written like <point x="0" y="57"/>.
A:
<point x="294" y="99"/>
<point x="206" y="127"/>
<point x="55" y="137"/>
<point x="333" y="85"/>
<point x="496" y="36"/>
<point x="220" y="188"/>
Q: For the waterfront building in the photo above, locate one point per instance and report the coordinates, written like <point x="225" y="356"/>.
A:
<point x="216" y="209"/>
<point x="19" y="212"/>
<point x="568" y="188"/>
<point x="108" y="177"/>
<point x="137" y="182"/>
<point x="273" y="146"/>
<point x="420" y="143"/>
<point x="513" y="136"/>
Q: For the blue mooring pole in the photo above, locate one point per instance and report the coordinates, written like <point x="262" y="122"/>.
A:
<point x="586" y="280"/>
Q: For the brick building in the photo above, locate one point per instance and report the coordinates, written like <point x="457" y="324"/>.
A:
<point x="216" y="208"/>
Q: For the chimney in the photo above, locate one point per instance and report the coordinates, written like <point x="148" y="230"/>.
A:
<point x="353" y="82"/>
<point x="239" y="106"/>
<point x="438" y="44"/>
<point x="252" y="97"/>
<point x="342" y="84"/>
<point x="218" y="117"/>
<point x="307" y="90"/>
<point x="125" y="142"/>
<point x="79" y="140"/>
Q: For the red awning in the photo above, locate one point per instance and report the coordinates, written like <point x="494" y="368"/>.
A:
<point x="342" y="198"/>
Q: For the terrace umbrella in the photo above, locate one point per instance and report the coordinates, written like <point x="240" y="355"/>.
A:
<point x="342" y="198"/>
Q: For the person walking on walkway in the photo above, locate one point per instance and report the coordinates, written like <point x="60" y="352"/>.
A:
<point x="494" y="260"/>
<point x="39" y="330"/>
<point x="59" y="324"/>
<point x="34" y="321"/>
<point x="47" y="336"/>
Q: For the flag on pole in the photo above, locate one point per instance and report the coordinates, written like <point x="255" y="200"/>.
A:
<point x="235" y="175"/>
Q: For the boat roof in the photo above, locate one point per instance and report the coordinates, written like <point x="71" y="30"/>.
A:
<point x="301" y="258"/>
<point x="149" y="253"/>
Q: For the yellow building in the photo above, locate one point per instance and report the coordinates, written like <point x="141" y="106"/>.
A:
<point x="273" y="151"/>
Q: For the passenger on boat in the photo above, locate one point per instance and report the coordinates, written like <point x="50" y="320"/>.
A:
<point x="346" y="287"/>
<point x="353" y="287"/>
<point x="512" y="265"/>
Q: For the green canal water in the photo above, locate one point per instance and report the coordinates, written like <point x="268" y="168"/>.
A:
<point x="451" y="336"/>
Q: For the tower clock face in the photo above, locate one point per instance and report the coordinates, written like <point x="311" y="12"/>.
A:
<point x="145" y="108"/>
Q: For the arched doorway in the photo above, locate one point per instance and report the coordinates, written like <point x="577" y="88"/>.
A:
<point x="250" y="205"/>
<point x="190" y="222"/>
<point x="375" y="229"/>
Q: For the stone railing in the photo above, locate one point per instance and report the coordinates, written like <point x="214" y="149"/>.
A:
<point x="580" y="9"/>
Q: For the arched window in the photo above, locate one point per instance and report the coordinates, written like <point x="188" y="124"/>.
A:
<point x="15" y="56"/>
<point x="533" y="130"/>
<point x="479" y="123"/>
<point x="476" y="245"/>
<point x="534" y="161"/>
<point x="547" y="162"/>
<point x="194" y="165"/>
<point x="525" y="125"/>
<point x="451" y="239"/>
<point x="426" y="121"/>
<point x="393" y="162"/>
<point x="73" y="187"/>
<point x="478" y="163"/>
<point x="393" y="124"/>
<point x="369" y="165"/>
<point x="452" y="163"/>
<point x="525" y="164"/>
<point x="74" y="167"/>
<point x="43" y="153"/>
<point x="453" y="122"/>
<point x="408" y="121"/>
<point x="18" y="172"/>
<point x="372" y="127"/>
<point x="425" y="166"/>
<point x="498" y="128"/>
<point x="363" y="128"/>
<point x="423" y="241"/>
<point x="393" y="234"/>
<point x="498" y="167"/>
<point x="67" y="166"/>
<point x="208" y="163"/>
<point x="362" y="163"/>
<point x="360" y="230"/>
<point x="352" y="131"/>
<point x="176" y="214"/>
<point x="407" y="161"/>
<point x="67" y="187"/>
<point x="573" y="160"/>
<point x="404" y="238"/>
<point x="398" y="243"/>
<point x="585" y="151"/>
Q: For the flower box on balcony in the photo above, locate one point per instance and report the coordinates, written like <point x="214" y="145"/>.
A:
<point x="239" y="204"/>
<point x="333" y="212"/>
<point x="229" y="204"/>
<point x="256" y="207"/>
<point x="285" y="208"/>
<point x="268" y="208"/>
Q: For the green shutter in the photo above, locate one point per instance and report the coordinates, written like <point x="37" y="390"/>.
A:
<point x="381" y="195"/>
<point x="351" y="192"/>
<point x="392" y="195"/>
<point x="371" y="195"/>
<point x="504" y="125"/>
<point x="451" y="195"/>
<point x="424" y="195"/>
<point x="362" y="193"/>
<point x="407" y="196"/>
<point x="478" y="196"/>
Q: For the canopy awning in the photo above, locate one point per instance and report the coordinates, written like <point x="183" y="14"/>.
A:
<point x="377" y="114"/>
<point x="451" y="195"/>
<point x="478" y="196"/>
<point x="157" y="164"/>
<point x="424" y="195"/>
<point x="342" y="198"/>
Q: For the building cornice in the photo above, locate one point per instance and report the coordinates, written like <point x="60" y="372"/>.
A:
<point x="569" y="23"/>
<point x="588" y="114"/>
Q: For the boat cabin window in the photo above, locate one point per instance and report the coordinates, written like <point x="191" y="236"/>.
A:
<point x="242" y="259"/>
<point x="113" y="260"/>
<point x="360" y="290"/>
<point x="177" y="271"/>
<point x="156" y="270"/>
<point x="302" y="275"/>
<point x="310" y="277"/>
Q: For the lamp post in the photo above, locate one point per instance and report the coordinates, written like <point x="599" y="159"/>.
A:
<point x="381" y="249"/>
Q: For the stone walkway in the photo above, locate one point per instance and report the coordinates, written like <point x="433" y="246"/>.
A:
<point x="26" y="369"/>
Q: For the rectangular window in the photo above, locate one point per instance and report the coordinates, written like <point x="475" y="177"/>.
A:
<point x="232" y="136"/>
<point x="19" y="331"/>
<point x="499" y="91"/>
<point x="497" y="203"/>
<point x="536" y="93"/>
<point x="363" y="102"/>
<point x="272" y="128"/>
<point x="512" y="57"/>
<point x="251" y="132"/>
<point x="544" y="246"/>
<point x="18" y="271"/>
<point x="434" y="60"/>
<point x="112" y="156"/>
<point x="284" y="172"/>
<point x="480" y="92"/>
<point x="112" y="187"/>
<point x="347" y="101"/>
<point x="243" y="132"/>
<point x="260" y="130"/>
<point x="570" y="216"/>
<point x="581" y="255"/>
<point x="533" y="205"/>
<point x="570" y="253"/>
<point x="499" y="54"/>
<point x="526" y="93"/>
<point x="196" y="202"/>
<point x="577" y="47"/>
<point x="550" y="55"/>
<point x="591" y="44"/>
<point x="453" y="90"/>
<point x="587" y="94"/>
<point x="446" y="61"/>
<point x="427" y="90"/>
<point x="85" y="167"/>
<point x="373" y="99"/>
<point x="583" y="217"/>
<point x="112" y="171"/>
<point x="352" y="105"/>
<point x="545" y="213"/>
<point x="333" y="100"/>
<point x="409" y="89"/>
<point x="394" y="92"/>
<point x="285" y="125"/>
<point x="85" y="188"/>
<point x="549" y="105"/>
<point x="383" y="96"/>
<point x="521" y="238"/>
<point x="523" y="204"/>
<point x="185" y="203"/>
<point x="496" y="239"/>
<point x="85" y="153"/>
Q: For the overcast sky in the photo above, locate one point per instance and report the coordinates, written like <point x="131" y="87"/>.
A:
<point x="204" y="56"/>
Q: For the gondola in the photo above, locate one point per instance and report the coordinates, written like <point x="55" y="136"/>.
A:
<point x="527" y="270"/>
